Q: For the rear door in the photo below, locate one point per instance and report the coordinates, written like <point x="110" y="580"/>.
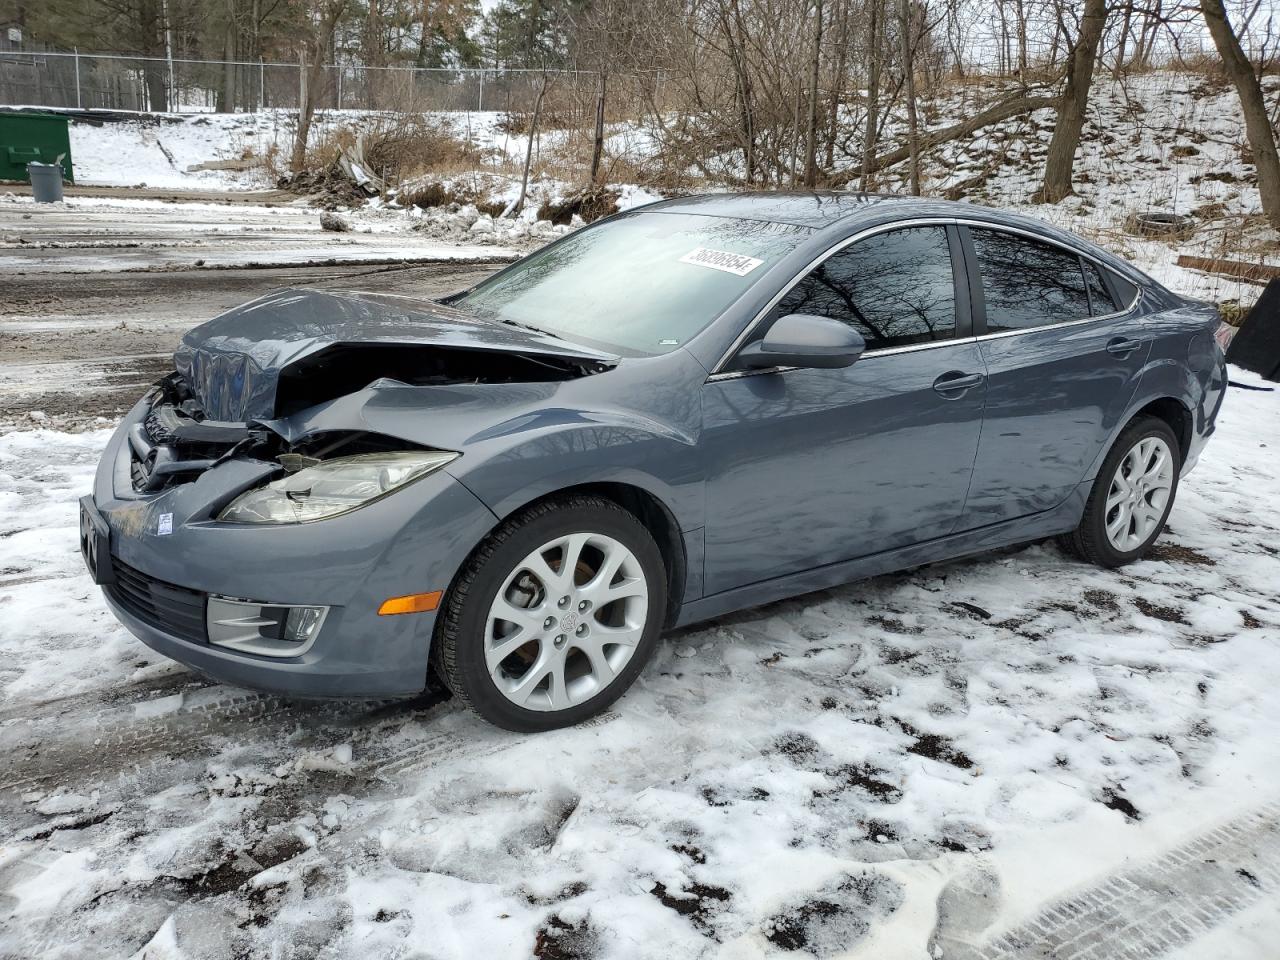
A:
<point x="1063" y="354"/>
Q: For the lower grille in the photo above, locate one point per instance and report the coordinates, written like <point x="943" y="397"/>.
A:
<point x="165" y="606"/>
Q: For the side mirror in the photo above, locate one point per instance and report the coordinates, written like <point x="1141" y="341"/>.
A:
<point x="803" y="340"/>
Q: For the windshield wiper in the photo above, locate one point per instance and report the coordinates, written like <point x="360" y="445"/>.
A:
<point x="527" y="326"/>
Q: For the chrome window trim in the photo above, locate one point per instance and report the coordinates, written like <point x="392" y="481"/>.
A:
<point x="987" y="225"/>
<point x="719" y="373"/>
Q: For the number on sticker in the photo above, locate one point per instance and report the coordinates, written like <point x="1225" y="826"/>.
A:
<point x="735" y="263"/>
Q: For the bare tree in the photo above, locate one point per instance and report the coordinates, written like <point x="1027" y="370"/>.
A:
<point x="875" y="42"/>
<point x="515" y="208"/>
<point x="1257" y="122"/>
<point x="906" y="38"/>
<point x="322" y="18"/>
<point x="1060" y="162"/>
<point x="811" y="140"/>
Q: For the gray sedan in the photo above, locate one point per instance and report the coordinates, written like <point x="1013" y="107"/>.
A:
<point x="698" y="406"/>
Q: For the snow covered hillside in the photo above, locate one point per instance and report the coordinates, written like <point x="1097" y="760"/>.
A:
<point x="962" y="760"/>
<point x="1162" y="141"/>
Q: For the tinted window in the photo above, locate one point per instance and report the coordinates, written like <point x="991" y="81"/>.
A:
<point x="895" y="288"/>
<point x="1027" y="283"/>
<point x="1125" y="290"/>
<point x="642" y="283"/>
<point x="1099" y="296"/>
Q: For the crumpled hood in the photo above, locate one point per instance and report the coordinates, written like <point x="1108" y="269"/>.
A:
<point x="234" y="362"/>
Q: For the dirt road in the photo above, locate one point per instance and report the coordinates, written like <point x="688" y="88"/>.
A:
<point x="75" y="346"/>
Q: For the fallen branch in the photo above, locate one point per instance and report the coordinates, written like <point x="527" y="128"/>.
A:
<point x="1258" y="273"/>
<point x="993" y="114"/>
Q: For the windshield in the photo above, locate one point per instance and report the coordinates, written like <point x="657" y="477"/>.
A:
<point x="641" y="284"/>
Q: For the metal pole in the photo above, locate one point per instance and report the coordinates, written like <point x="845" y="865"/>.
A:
<point x="79" y="104"/>
<point x="262" y="86"/>
<point x="338" y="67"/>
<point x="480" y="106"/>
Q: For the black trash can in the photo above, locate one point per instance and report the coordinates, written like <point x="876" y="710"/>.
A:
<point x="46" y="182"/>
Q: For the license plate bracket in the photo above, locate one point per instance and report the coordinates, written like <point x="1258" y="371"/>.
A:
<point x="95" y="542"/>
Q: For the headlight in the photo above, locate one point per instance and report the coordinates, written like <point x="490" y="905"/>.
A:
<point x="333" y="487"/>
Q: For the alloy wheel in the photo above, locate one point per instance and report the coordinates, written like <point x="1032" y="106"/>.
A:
<point x="1139" y="494"/>
<point x="566" y="621"/>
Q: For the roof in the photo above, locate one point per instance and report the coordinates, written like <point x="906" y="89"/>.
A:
<point x="817" y="209"/>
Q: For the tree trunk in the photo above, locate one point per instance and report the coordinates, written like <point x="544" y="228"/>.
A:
<point x="1060" y="162"/>
<point x="909" y="73"/>
<point x="528" y="153"/>
<point x="742" y="90"/>
<point x="873" y="93"/>
<point x="226" y="102"/>
<point x="1022" y="38"/>
<point x="811" y="136"/>
<point x="1257" y="122"/>
<point x="993" y="114"/>
<point x="151" y="35"/>
<point x="837" y="84"/>
<point x="597" y="147"/>
<point x="306" y="107"/>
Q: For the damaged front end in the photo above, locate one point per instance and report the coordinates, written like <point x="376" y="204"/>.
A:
<point x="244" y="380"/>
<point x="174" y="443"/>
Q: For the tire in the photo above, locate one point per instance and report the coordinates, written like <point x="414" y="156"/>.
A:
<point x="553" y="663"/>
<point x="1148" y="507"/>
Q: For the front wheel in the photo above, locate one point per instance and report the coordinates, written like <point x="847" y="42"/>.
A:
<point x="554" y="615"/>
<point x="1131" y="497"/>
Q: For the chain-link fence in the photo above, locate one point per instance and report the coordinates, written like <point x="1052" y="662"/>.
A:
<point x="116" y="82"/>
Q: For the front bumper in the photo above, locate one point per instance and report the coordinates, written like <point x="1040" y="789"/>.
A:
<point x="413" y="541"/>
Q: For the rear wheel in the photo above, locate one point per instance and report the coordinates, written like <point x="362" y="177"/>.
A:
<point x="554" y="615"/>
<point x="1131" y="498"/>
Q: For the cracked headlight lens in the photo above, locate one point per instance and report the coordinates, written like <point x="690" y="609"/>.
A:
<point x="333" y="487"/>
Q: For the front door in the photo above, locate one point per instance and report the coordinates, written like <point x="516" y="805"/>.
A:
<point x="1063" y="359"/>
<point x="812" y="467"/>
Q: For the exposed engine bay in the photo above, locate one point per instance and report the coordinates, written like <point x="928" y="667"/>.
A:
<point x="174" y="443"/>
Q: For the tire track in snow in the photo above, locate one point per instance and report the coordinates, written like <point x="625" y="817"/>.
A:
<point x="1150" y="909"/>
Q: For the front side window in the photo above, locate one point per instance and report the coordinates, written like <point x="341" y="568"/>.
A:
<point x="1026" y="283"/>
<point x="895" y="288"/>
<point x="641" y="284"/>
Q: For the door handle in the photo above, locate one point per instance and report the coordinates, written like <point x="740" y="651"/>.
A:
<point x="1122" y="346"/>
<point x="952" y="385"/>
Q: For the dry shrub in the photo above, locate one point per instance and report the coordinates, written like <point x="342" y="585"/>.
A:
<point x="399" y="148"/>
<point x="589" y="203"/>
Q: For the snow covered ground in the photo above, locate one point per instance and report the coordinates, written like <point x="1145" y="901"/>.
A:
<point x="950" y="762"/>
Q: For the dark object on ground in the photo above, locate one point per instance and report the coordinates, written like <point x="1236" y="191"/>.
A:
<point x="1156" y="224"/>
<point x="1249" y="386"/>
<point x="1257" y="346"/>
<point x="333" y="222"/>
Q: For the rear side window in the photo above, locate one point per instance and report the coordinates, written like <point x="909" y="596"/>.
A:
<point x="1028" y="284"/>
<point x="1099" y="295"/>
<point x="1125" y="290"/>
<point x="895" y="288"/>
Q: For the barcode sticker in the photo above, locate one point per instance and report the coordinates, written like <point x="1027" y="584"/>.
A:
<point x="735" y="263"/>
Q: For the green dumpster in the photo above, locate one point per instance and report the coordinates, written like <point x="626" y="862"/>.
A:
<point x="25" y="137"/>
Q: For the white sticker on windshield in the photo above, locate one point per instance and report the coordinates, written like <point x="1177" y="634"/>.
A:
<point x="735" y="263"/>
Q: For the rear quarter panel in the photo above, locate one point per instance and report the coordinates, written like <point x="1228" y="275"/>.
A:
<point x="1185" y="364"/>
